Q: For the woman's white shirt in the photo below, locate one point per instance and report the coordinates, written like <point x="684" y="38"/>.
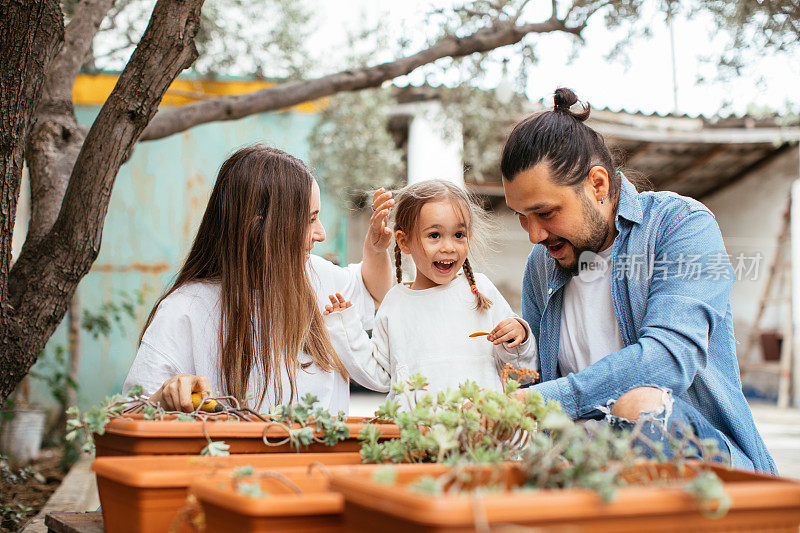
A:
<point x="184" y="338"/>
<point x="427" y="332"/>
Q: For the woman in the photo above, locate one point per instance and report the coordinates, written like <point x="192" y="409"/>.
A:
<point x="243" y="316"/>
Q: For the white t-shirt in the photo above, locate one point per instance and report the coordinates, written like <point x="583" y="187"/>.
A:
<point x="589" y="328"/>
<point x="427" y="332"/>
<point x="184" y="338"/>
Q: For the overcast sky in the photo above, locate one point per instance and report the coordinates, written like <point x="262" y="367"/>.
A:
<point x="646" y="84"/>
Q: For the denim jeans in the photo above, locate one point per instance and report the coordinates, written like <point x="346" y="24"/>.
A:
<point x="676" y="418"/>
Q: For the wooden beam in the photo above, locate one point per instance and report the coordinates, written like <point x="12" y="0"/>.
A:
<point x="633" y="152"/>
<point x="681" y="176"/>
<point x="704" y="136"/>
<point x="753" y="167"/>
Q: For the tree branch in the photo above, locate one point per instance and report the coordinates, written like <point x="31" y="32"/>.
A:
<point x="45" y="276"/>
<point x="55" y="140"/>
<point x="170" y="121"/>
<point x="67" y="64"/>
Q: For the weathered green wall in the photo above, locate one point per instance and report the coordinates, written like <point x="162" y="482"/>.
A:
<point x="157" y="203"/>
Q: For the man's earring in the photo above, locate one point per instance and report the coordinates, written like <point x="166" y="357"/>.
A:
<point x="602" y="200"/>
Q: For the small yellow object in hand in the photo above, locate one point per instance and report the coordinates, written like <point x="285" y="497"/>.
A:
<point x="478" y="333"/>
<point x="209" y="406"/>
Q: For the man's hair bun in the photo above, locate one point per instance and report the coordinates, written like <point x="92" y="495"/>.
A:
<point x="564" y="99"/>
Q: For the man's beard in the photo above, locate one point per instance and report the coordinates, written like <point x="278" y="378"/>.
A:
<point x="597" y="232"/>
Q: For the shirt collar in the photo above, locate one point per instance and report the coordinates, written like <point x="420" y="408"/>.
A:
<point x="629" y="207"/>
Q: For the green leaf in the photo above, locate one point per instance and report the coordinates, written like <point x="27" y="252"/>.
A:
<point x="426" y="485"/>
<point x="242" y="471"/>
<point x="398" y="388"/>
<point x="418" y="382"/>
<point x="386" y="475"/>
<point x="388" y="409"/>
<point x="301" y="437"/>
<point x="250" y="489"/>
<point x="216" y="448"/>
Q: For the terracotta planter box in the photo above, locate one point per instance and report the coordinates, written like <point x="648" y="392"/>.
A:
<point x="134" y="435"/>
<point x="144" y="494"/>
<point x="759" y="503"/>
<point x="317" y="509"/>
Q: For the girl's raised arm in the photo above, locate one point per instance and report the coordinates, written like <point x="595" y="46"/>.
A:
<point x="376" y="267"/>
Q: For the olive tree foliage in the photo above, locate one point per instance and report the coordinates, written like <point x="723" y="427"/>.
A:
<point x="352" y="149"/>
<point x="255" y="38"/>
<point x="350" y="145"/>
<point x="760" y="26"/>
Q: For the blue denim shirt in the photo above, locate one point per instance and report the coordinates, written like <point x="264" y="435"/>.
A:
<point x="670" y="285"/>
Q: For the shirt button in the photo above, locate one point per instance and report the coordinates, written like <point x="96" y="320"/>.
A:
<point x="549" y="291"/>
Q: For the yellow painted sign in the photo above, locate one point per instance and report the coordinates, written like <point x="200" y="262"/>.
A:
<point x="93" y="89"/>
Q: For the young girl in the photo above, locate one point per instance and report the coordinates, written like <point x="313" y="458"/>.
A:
<point x="425" y="327"/>
<point x="243" y="316"/>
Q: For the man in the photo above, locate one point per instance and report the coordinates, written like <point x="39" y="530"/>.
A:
<point x="646" y="325"/>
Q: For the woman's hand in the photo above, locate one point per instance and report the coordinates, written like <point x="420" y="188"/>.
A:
<point x="176" y="393"/>
<point x="510" y="330"/>
<point x="380" y="235"/>
<point x="338" y="303"/>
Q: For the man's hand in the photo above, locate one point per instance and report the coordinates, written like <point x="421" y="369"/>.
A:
<point x="176" y="393"/>
<point x="338" y="303"/>
<point x="510" y="330"/>
<point x="380" y="235"/>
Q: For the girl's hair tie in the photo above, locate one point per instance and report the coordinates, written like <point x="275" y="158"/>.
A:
<point x="474" y="289"/>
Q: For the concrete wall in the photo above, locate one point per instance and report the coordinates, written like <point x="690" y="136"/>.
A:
<point x="158" y="200"/>
<point x="750" y="214"/>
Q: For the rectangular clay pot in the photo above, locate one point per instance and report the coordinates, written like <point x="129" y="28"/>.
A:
<point x="144" y="494"/>
<point x="317" y="509"/>
<point x="759" y="503"/>
<point x="133" y="435"/>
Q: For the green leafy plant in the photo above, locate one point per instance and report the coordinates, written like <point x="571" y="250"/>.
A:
<point x="13" y="514"/>
<point x="305" y="423"/>
<point x="465" y="424"/>
<point x="218" y="448"/>
<point x="82" y="426"/>
<point x="100" y="322"/>
<point x="472" y="425"/>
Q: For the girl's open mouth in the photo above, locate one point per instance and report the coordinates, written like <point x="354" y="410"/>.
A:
<point x="444" y="267"/>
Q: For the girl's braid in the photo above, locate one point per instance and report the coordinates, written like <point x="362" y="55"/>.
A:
<point x="398" y="263"/>
<point x="482" y="302"/>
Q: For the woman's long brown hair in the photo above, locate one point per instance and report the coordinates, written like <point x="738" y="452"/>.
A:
<point x="252" y="241"/>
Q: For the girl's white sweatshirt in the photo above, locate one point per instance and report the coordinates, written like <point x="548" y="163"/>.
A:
<point x="427" y="332"/>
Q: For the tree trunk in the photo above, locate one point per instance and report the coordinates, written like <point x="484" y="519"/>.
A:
<point x="56" y="138"/>
<point x="45" y="276"/>
<point x="73" y="349"/>
<point x="32" y="33"/>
